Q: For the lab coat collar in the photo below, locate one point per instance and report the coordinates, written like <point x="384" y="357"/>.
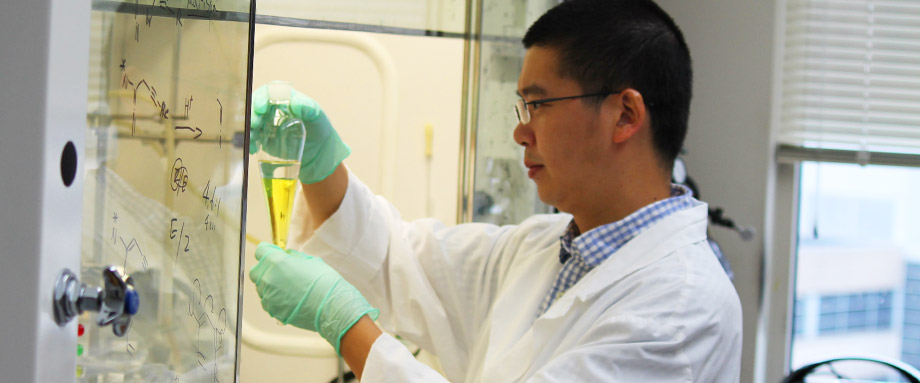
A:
<point x="513" y="348"/>
<point x="682" y="228"/>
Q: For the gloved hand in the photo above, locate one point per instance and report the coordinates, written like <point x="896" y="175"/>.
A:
<point x="323" y="149"/>
<point x="303" y="291"/>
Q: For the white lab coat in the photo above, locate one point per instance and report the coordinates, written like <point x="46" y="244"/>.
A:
<point x="660" y="309"/>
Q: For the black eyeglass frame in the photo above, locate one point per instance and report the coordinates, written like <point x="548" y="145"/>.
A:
<point x="536" y="103"/>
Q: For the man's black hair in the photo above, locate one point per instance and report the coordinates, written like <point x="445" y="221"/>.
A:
<point x="609" y="45"/>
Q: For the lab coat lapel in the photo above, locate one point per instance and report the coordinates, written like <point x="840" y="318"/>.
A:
<point x="516" y="343"/>
<point x="679" y="229"/>
<point x="510" y="352"/>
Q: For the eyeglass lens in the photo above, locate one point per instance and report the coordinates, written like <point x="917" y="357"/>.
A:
<point x="520" y="110"/>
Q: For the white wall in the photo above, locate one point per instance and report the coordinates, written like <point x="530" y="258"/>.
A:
<point x="348" y="85"/>
<point x="728" y="144"/>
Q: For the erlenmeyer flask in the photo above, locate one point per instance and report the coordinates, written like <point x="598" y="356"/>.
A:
<point x="279" y="161"/>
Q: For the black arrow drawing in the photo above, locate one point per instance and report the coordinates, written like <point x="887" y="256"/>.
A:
<point x="191" y="129"/>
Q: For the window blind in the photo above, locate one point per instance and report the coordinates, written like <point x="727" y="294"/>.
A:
<point x="851" y="76"/>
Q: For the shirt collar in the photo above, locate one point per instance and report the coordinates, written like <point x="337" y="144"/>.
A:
<point x="599" y="243"/>
<point x="567" y="239"/>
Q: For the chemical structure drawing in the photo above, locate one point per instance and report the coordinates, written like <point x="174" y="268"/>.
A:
<point x="132" y="249"/>
<point x="209" y="321"/>
<point x="144" y="87"/>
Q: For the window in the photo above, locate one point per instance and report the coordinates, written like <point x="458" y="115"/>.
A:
<point x="849" y="92"/>
<point x="910" y="349"/>
<point x="853" y="312"/>
<point x="857" y="279"/>
<point x="798" y="321"/>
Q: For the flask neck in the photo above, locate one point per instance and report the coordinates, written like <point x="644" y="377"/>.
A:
<point x="286" y="102"/>
<point x="280" y="112"/>
<point x="279" y="92"/>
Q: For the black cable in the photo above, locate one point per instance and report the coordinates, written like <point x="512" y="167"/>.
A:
<point x="717" y="218"/>
<point x="837" y="374"/>
<point x="348" y="377"/>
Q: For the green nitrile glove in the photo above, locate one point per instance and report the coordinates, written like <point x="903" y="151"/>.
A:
<point x="323" y="149"/>
<point x="305" y="292"/>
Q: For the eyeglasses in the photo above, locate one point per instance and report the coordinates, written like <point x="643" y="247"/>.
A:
<point x="523" y="113"/>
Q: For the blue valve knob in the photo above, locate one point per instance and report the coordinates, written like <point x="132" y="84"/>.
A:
<point x="132" y="302"/>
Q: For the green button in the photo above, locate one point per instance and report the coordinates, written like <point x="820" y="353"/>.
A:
<point x="79" y="349"/>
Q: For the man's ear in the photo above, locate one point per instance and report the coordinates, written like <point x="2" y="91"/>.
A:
<point x="632" y="114"/>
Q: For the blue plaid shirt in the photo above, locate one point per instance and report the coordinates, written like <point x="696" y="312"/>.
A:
<point x="581" y="253"/>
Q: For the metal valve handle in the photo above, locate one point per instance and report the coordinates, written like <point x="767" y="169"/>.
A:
<point x="116" y="302"/>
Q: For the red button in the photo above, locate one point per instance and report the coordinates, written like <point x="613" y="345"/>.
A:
<point x="79" y="329"/>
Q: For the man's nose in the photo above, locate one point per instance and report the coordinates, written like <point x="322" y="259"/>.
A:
<point x="523" y="135"/>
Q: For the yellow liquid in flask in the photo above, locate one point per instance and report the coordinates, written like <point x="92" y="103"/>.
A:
<point x="279" y="193"/>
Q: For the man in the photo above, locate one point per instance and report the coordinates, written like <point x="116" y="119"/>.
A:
<point x="623" y="287"/>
